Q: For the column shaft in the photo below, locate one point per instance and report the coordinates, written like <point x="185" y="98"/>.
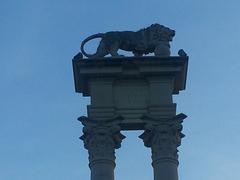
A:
<point x="163" y="137"/>
<point x="102" y="170"/>
<point x="165" y="170"/>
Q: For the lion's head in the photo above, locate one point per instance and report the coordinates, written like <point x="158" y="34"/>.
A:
<point x="161" y="33"/>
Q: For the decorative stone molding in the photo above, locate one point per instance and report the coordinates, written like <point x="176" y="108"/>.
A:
<point x="163" y="136"/>
<point x="101" y="138"/>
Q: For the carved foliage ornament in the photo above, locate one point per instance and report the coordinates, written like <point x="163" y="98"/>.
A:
<point x="163" y="136"/>
<point x="101" y="139"/>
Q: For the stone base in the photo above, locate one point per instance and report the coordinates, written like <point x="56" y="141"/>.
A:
<point x="131" y="93"/>
<point x="131" y="87"/>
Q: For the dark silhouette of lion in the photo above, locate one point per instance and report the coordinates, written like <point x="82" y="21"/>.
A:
<point x="153" y="39"/>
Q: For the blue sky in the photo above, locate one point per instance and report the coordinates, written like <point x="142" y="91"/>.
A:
<point x="38" y="106"/>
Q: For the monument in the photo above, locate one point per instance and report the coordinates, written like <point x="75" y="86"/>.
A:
<point x="132" y="93"/>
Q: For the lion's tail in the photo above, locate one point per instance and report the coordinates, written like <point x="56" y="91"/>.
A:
<point x="99" y="35"/>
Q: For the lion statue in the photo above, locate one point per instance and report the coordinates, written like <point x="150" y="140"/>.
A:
<point x="153" y="39"/>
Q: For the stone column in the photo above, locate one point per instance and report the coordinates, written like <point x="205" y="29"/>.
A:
<point x="101" y="139"/>
<point x="163" y="137"/>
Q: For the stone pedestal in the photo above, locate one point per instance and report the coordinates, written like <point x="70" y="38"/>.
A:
<point x="131" y="93"/>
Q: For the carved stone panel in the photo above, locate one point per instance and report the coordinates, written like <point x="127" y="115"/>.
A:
<point x="131" y="94"/>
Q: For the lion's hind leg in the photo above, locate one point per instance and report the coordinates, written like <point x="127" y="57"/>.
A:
<point x="114" y="50"/>
<point x="101" y="51"/>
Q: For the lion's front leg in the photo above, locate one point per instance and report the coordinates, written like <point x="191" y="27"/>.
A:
<point x="101" y="51"/>
<point x="162" y="49"/>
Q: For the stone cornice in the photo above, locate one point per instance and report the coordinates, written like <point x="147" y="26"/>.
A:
<point x="131" y="67"/>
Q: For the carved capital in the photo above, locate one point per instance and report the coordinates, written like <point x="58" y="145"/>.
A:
<point x="101" y="138"/>
<point x="163" y="136"/>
